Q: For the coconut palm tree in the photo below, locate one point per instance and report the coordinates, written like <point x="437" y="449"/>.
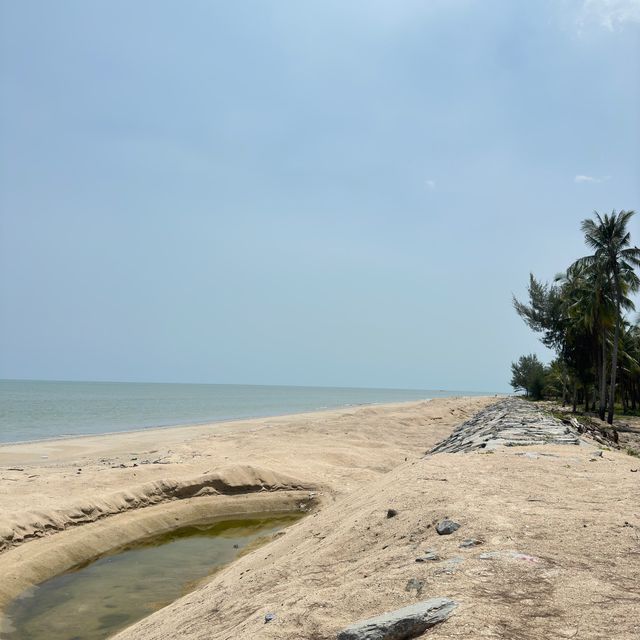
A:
<point x="615" y="259"/>
<point x="589" y="310"/>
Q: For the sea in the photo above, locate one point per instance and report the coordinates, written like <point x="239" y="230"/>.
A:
<point x="38" y="410"/>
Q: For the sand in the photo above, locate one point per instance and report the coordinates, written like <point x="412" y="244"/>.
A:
<point x="562" y="532"/>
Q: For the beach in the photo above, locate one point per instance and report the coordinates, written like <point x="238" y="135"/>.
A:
<point x="556" y="551"/>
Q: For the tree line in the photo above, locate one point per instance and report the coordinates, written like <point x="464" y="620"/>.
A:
<point x="583" y="316"/>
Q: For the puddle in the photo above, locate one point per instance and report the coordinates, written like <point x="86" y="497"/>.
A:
<point x="102" y="597"/>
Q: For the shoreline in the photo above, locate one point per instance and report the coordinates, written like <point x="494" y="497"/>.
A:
<point x="206" y="423"/>
<point x="53" y="450"/>
<point x="221" y="410"/>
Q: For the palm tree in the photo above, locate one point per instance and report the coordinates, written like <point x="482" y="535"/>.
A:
<point x="589" y="310"/>
<point x="616" y="260"/>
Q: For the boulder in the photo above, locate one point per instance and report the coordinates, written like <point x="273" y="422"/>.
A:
<point x="401" y="624"/>
<point x="446" y="527"/>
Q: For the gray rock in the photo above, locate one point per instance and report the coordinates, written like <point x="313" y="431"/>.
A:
<point x="401" y="624"/>
<point x="446" y="527"/>
<point x="269" y="617"/>
<point x="451" y="566"/>
<point x="414" y="585"/>
<point x="391" y="513"/>
<point x="469" y="543"/>
<point x="429" y="556"/>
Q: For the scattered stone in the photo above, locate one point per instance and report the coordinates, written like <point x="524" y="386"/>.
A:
<point x="269" y="617"/>
<point x="446" y="527"/>
<point x="451" y="566"/>
<point x="429" y="556"/>
<point x="414" y="585"/>
<point x="401" y="624"/>
<point x="469" y="543"/>
<point x="597" y="453"/>
<point x="391" y="513"/>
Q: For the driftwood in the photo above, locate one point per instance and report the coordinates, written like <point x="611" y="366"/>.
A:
<point x="594" y="432"/>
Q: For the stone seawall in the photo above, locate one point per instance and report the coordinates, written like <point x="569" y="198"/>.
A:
<point x="510" y="422"/>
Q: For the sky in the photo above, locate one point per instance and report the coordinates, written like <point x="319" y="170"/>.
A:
<point x="335" y="193"/>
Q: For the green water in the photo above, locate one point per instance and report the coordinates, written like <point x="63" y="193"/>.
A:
<point x="101" y="598"/>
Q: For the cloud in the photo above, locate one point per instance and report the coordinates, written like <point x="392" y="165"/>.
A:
<point x="610" y="14"/>
<point x="580" y="178"/>
<point x="431" y="184"/>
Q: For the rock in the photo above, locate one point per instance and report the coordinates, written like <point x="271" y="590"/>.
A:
<point x="428" y="556"/>
<point x="451" y="566"/>
<point x="597" y="454"/>
<point x="469" y="543"/>
<point x="414" y="585"/>
<point x="401" y="624"/>
<point x="269" y="617"/>
<point x="446" y="527"/>
<point x="391" y="513"/>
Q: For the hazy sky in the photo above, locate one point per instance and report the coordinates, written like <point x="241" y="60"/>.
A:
<point x="323" y="193"/>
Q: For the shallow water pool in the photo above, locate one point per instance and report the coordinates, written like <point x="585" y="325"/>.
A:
<point x="100" y="598"/>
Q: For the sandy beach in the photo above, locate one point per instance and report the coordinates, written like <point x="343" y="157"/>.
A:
<point x="560" y="552"/>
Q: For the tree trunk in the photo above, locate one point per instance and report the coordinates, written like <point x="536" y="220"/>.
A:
<point x="602" y="405"/>
<point x="614" y="353"/>
<point x="586" y="397"/>
<point x="575" y="396"/>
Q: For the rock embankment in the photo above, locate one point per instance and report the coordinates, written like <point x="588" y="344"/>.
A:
<point x="509" y="423"/>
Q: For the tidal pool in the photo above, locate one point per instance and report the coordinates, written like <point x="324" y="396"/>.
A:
<point x="100" y="598"/>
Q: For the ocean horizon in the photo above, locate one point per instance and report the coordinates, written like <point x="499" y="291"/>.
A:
<point x="47" y="409"/>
